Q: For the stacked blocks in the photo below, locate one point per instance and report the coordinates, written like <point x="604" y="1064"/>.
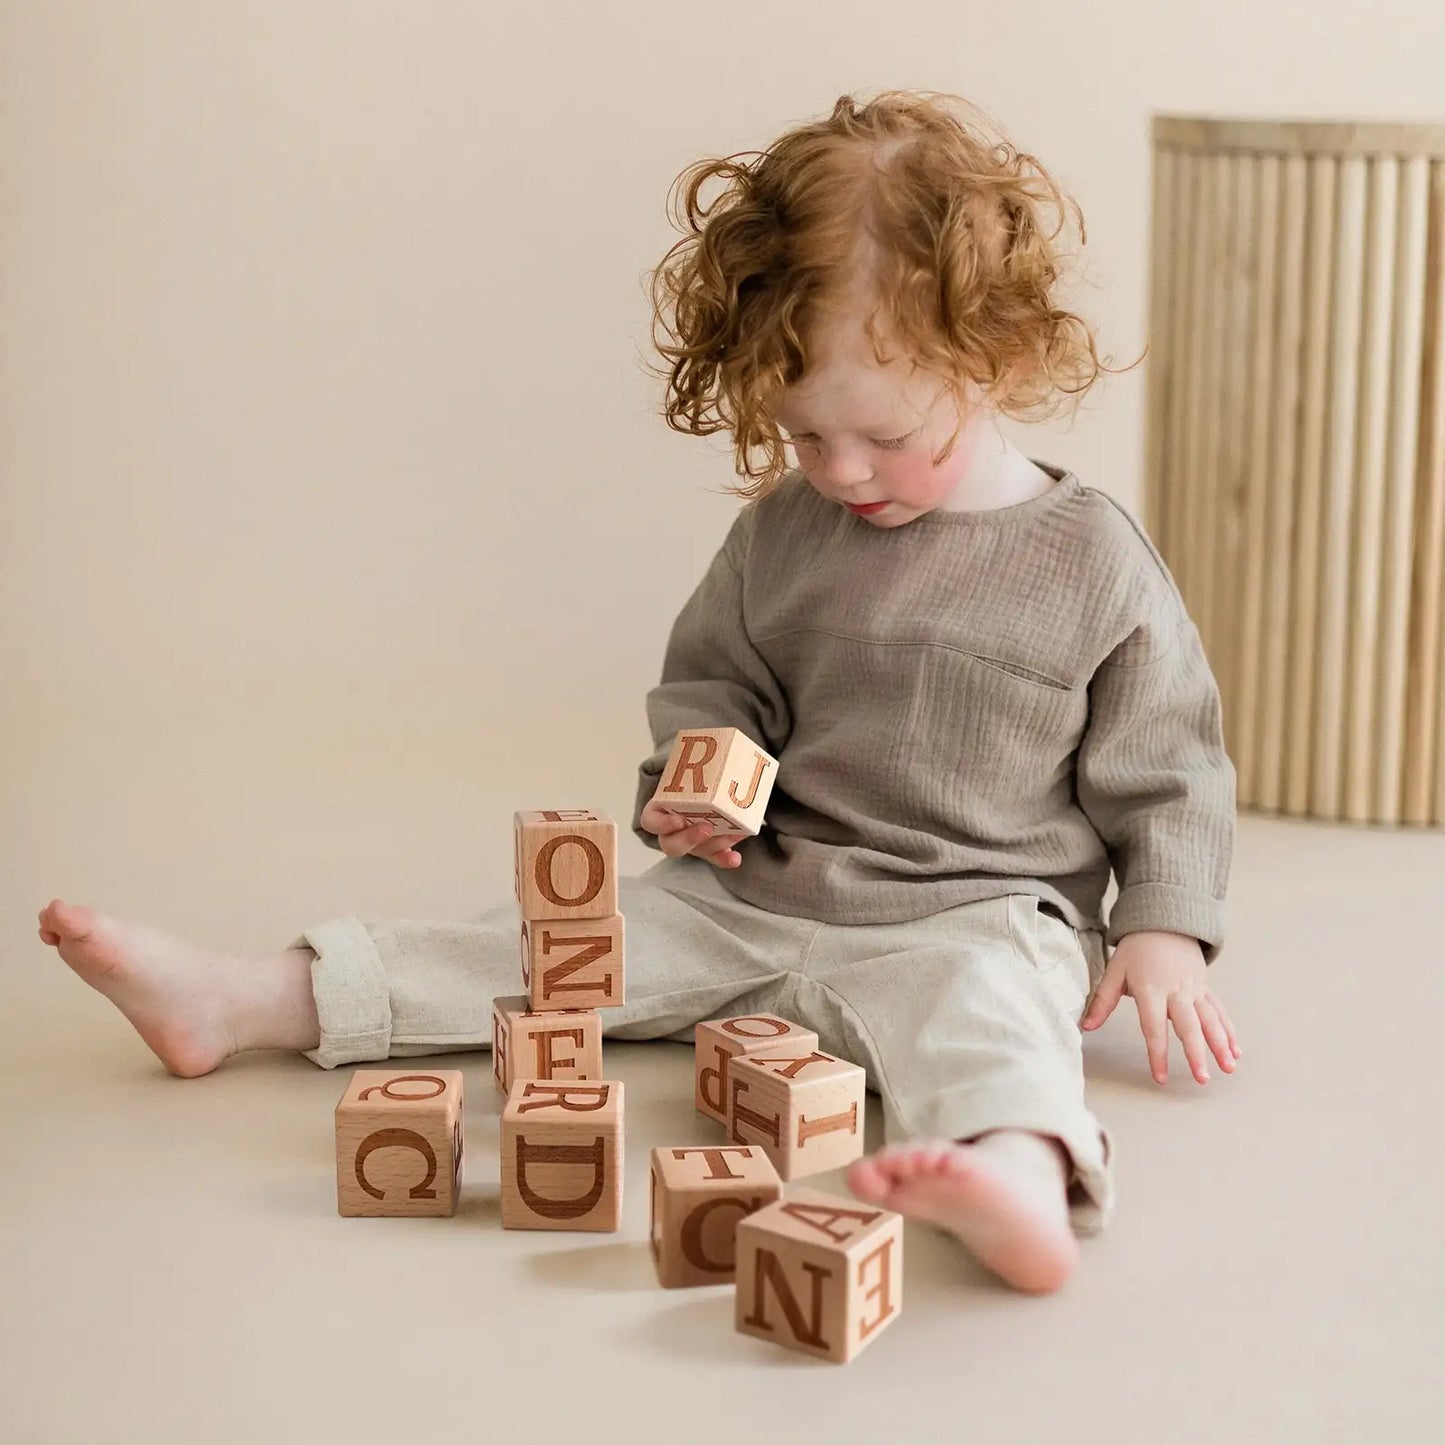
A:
<point x="819" y="1274"/>
<point x="698" y="1194"/>
<point x="399" y="1143"/>
<point x="565" y="880"/>
<point x="562" y="1156"/>
<point x="717" y="775"/>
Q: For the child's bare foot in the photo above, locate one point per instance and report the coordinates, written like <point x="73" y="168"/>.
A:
<point x="1003" y="1196"/>
<point x="194" y="1008"/>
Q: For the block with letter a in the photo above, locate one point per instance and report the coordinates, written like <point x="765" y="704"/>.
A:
<point x="562" y="1151"/>
<point x="558" y="1045"/>
<point x="399" y="1142"/>
<point x="718" y="1041"/>
<point x="697" y="1195"/>
<point x="804" y="1107"/>
<point x="819" y="1273"/>
<point x="718" y="774"/>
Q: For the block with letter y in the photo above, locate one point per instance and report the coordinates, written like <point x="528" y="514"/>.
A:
<point x="803" y="1106"/>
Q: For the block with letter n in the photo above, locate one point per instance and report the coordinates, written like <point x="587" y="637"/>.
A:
<point x="819" y="1274"/>
<point x="804" y="1107"/>
<point x="562" y="1156"/>
<point x="573" y="963"/>
<point x="720" y="775"/>
<point x="399" y="1143"/>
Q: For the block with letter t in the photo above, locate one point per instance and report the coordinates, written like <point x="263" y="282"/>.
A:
<point x="819" y="1273"/>
<point x="717" y="774"/>
<point x="803" y="1106"/>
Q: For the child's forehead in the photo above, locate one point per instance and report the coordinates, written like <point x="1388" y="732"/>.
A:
<point x="869" y="397"/>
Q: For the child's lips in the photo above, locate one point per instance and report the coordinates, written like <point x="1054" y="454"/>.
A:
<point x="865" y="509"/>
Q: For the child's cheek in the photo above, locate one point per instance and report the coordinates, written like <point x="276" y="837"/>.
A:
<point x="915" y="479"/>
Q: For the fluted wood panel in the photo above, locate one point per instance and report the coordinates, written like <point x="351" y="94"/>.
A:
<point x="1295" y="443"/>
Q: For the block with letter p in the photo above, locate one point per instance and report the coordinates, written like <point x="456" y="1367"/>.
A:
<point x="718" y="774"/>
<point x="718" y="1041"/>
<point x="804" y="1107"/>
<point x="399" y="1143"/>
<point x="564" y="863"/>
<point x="819" y="1274"/>
<point x="562" y="1156"/>
<point x="697" y="1195"/>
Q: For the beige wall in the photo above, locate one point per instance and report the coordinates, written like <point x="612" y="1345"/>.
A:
<point x="334" y="501"/>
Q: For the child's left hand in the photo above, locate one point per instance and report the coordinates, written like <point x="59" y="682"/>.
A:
<point x="1164" y="973"/>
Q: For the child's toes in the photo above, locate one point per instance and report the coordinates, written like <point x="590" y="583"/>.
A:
<point x="868" y="1180"/>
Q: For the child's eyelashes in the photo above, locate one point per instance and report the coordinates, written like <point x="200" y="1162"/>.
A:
<point x="891" y="444"/>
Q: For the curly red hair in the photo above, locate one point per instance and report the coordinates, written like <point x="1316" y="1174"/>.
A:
<point x="899" y="199"/>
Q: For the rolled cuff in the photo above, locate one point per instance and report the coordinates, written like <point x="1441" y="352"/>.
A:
<point x="1144" y="906"/>
<point x="353" y="1002"/>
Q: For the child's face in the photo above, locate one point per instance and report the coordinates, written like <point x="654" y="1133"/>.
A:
<point x="868" y="434"/>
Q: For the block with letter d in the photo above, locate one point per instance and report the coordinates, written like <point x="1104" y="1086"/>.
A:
<point x="558" y="1045"/>
<point x="562" y="1156"/>
<point x="718" y="774"/>
<point x="717" y="1042"/>
<point x="804" y="1107"/>
<point x="399" y="1143"/>
<point x="819" y="1274"/>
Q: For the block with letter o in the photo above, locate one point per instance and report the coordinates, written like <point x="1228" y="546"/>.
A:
<point x="564" y="863"/>
<point x="718" y="1041"/>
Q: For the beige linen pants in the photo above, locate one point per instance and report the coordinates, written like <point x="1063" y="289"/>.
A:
<point x="964" y="1021"/>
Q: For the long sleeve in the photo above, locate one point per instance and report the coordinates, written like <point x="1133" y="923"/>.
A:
<point x="712" y="675"/>
<point x="1156" y="783"/>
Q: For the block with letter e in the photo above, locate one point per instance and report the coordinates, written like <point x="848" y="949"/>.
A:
<point x="697" y="1195"/>
<point x="718" y="1041"/>
<point x="564" y="863"/>
<point x="399" y="1143"/>
<point x="804" y="1107"/>
<point x="557" y="1045"/>
<point x="819" y="1274"/>
<point x="562" y="1156"/>
<point x="717" y="774"/>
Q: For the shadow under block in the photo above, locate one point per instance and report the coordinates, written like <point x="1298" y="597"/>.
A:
<point x="819" y="1273"/>
<point x="573" y="963"/>
<point x="717" y="1042"/>
<point x="399" y="1143"/>
<point x="805" y="1108"/>
<point x="562" y="1044"/>
<point x="562" y="1153"/>
<point x="697" y="1195"/>
<point x="564" y="863"/>
<point x="719" y="774"/>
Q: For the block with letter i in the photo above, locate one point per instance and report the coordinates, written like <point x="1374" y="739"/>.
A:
<point x="720" y="775"/>
<point x="697" y="1196"/>
<point x="562" y="1152"/>
<point x="819" y="1274"/>
<point x="399" y="1143"/>
<point x="719" y="1041"/>
<point x="804" y="1107"/>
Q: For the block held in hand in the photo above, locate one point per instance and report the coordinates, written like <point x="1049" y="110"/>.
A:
<point x="717" y="774"/>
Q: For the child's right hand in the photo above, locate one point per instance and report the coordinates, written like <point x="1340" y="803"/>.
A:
<point x="675" y="837"/>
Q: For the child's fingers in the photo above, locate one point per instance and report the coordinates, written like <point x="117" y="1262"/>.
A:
<point x="720" y="849"/>
<point x="1214" y="1032"/>
<point x="686" y="839"/>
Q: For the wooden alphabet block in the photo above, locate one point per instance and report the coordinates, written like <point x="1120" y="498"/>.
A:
<point x="564" y="863"/>
<point x="804" y="1107"/>
<point x="719" y="774"/>
<point x="562" y="1156"/>
<point x="718" y="1041"/>
<point x="558" y="1045"/>
<point x="697" y="1196"/>
<point x="573" y="963"/>
<point x="399" y="1143"/>
<point x="819" y="1274"/>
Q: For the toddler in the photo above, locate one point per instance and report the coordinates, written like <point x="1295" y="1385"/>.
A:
<point x="978" y="677"/>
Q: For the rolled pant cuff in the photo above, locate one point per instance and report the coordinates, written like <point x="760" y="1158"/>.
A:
<point x="353" y="1002"/>
<point x="1090" y="1183"/>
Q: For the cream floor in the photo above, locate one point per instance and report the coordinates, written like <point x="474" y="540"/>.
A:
<point x="174" y="1269"/>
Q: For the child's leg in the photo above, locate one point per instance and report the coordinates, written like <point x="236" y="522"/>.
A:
<point x="349" y="992"/>
<point x="968" y="1025"/>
